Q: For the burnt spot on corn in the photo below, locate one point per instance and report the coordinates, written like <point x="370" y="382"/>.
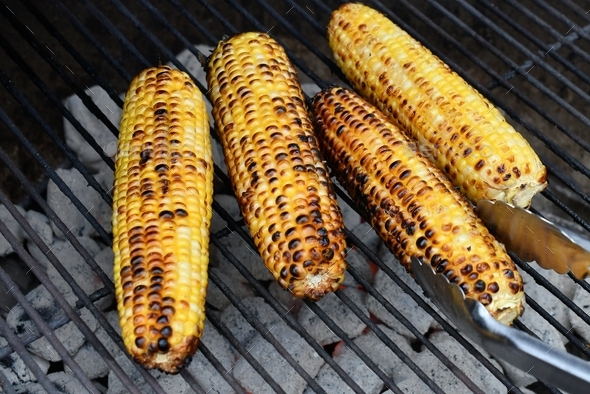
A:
<point x="409" y="203"/>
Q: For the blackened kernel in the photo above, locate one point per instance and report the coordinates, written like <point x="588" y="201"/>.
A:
<point x="162" y="320"/>
<point x="181" y="213"/>
<point x="466" y="270"/>
<point x="297" y="256"/>
<point x="515" y="287"/>
<point x="168" y="310"/>
<point x="485" y="298"/>
<point x="482" y="267"/>
<point x="140" y="342"/>
<point x="429" y="233"/>
<point x="405" y="174"/>
<point x="139" y="289"/>
<point x="294" y="269"/>
<point x="480" y="286"/>
<point x="154" y="306"/>
<point x="290" y="232"/>
<point x="421" y="242"/>
<point x="493" y="287"/>
<point x="324" y="241"/>
<point x="166" y="215"/>
<point x="163" y="345"/>
<point x="442" y="266"/>
<point x="301" y="219"/>
<point x="284" y="272"/>
<point x="166" y="331"/>
<point x="465" y="287"/>
<point x="127" y="285"/>
<point x="162" y="168"/>
<point x="294" y="243"/>
<point x="276" y="236"/>
<point x="473" y="276"/>
<point x="328" y="254"/>
<point x="322" y="231"/>
<point x="307" y="263"/>
<point x="508" y="273"/>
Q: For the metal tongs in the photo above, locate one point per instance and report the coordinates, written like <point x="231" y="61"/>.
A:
<point x="552" y="366"/>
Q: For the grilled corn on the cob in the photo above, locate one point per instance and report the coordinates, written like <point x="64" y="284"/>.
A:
<point x="161" y="215"/>
<point x="283" y="189"/>
<point x="461" y="131"/>
<point x="411" y="204"/>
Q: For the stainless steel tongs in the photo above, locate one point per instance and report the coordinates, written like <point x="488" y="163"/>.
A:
<point x="552" y="366"/>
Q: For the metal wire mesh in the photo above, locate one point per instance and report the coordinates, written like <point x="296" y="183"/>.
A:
<point x="524" y="71"/>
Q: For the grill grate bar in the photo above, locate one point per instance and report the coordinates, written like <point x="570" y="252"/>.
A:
<point x="390" y="344"/>
<point x="547" y="193"/>
<point x="554" y="147"/>
<point x="190" y="379"/>
<point x="566" y="333"/>
<point x="9" y="85"/>
<point x="223" y="330"/>
<point x="229" y="378"/>
<point x="9" y="49"/>
<point x="353" y="346"/>
<point x="540" y="279"/>
<point x="56" y="179"/>
<point x="566" y="21"/>
<point x="114" y="63"/>
<point x="116" y="33"/>
<point x="536" y="59"/>
<point x="19" y="347"/>
<point x="568" y="39"/>
<point x="259" y="326"/>
<point x="32" y="312"/>
<point x="58" y="68"/>
<point x="546" y="49"/>
<point x="141" y="27"/>
<point x="522" y="327"/>
<point x="87" y="67"/>
<point x="295" y="33"/>
<point x="193" y="21"/>
<point x="569" y="183"/>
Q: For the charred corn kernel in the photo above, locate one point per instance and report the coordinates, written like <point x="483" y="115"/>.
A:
<point x="283" y="188"/>
<point x="411" y="204"/>
<point x="161" y="215"/>
<point x="456" y="127"/>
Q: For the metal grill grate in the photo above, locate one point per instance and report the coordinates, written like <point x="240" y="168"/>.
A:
<point x="538" y="75"/>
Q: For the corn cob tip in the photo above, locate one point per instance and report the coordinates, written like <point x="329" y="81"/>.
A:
<point x="171" y="362"/>
<point x="412" y="206"/>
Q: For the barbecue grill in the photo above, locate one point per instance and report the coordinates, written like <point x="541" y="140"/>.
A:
<point x="530" y="58"/>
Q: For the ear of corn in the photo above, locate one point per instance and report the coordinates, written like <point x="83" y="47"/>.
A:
<point x="461" y="131"/>
<point x="411" y="204"/>
<point x="161" y="216"/>
<point x="282" y="186"/>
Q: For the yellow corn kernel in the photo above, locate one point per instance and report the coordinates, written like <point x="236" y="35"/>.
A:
<point x="411" y="204"/>
<point x="282" y="186"/>
<point x="456" y="127"/>
<point x="161" y="217"/>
